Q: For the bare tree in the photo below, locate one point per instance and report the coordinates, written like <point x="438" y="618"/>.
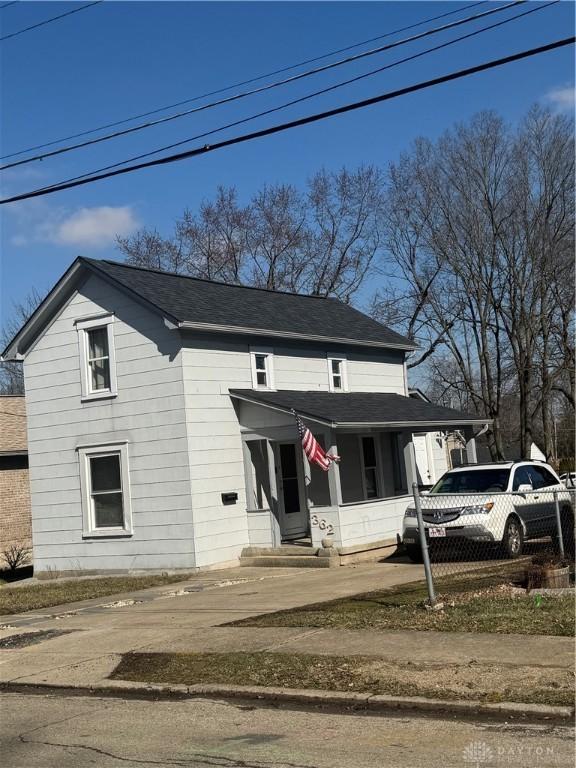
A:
<point x="321" y="240"/>
<point x="11" y="373"/>
<point x="480" y="225"/>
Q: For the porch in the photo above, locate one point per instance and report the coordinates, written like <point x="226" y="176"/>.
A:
<point x="358" y="505"/>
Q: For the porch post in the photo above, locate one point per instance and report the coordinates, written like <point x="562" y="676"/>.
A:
<point x="274" y="507"/>
<point x="248" y="480"/>
<point x="334" y="471"/>
<point x="409" y="460"/>
<point x="471" y="455"/>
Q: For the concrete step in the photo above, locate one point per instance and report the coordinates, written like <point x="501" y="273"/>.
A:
<point x="285" y="550"/>
<point x="289" y="561"/>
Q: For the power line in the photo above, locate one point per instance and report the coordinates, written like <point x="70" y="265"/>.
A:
<point x="263" y="88"/>
<point x="243" y="82"/>
<point x="5" y="5"/>
<point x="310" y="95"/>
<point x="48" y="21"/>
<point x="301" y="121"/>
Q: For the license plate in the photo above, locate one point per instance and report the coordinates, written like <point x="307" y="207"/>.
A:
<point x="436" y="532"/>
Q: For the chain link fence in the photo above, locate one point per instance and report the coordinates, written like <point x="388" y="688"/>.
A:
<point x="471" y="541"/>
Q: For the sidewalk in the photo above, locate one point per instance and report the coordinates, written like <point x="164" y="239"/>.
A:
<point x="172" y="619"/>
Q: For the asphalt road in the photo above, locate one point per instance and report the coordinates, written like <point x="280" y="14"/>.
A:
<point x="41" y="731"/>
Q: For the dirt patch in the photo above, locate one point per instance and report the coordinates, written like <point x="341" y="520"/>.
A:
<point x="25" y="639"/>
<point x="488" y="682"/>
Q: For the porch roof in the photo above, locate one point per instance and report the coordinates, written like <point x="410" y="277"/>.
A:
<point x="359" y="409"/>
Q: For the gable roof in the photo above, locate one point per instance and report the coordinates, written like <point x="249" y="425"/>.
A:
<point x="194" y="303"/>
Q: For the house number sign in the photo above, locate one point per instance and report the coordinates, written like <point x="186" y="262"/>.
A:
<point x="322" y="524"/>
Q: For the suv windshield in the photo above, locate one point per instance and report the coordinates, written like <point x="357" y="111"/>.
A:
<point x="473" y="481"/>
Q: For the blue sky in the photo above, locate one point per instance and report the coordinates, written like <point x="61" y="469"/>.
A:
<point x="121" y="58"/>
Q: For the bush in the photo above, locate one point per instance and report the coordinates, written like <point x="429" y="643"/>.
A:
<point x="16" y="556"/>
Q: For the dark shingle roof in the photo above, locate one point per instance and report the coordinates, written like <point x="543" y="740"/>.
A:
<point x="358" y="407"/>
<point x="191" y="300"/>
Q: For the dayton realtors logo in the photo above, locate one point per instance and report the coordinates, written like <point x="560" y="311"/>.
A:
<point x="480" y="755"/>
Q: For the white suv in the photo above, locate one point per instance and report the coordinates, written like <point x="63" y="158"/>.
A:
<point x="502" y="503"/>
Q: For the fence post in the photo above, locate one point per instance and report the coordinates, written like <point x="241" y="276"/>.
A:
<point x="559" y="524"/>
<point x="424" y="544"/>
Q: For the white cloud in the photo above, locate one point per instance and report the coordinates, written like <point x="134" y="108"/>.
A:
<point x="87" y="228"/>
<point x="562" y="98"/>
<point x="95" y="227"/>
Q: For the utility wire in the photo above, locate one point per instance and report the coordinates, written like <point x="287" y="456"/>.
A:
<point x="310" y="95"/>
<point x="242" y="83"/>
<point x="48" y="21"/>
<point x="5" y="5"/>
<point x="301" y="121"/>
<point x="261" y="89"/>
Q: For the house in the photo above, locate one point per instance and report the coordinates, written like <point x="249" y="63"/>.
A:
<point x="431" y="449"/>
<point x="160" y="424"/>
<point x="15" y="517"/>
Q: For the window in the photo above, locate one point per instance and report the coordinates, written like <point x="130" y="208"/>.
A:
<point x="98" y="365"/>
<point x="105" y="490"/>
<point x="262" y="368"/>
<point x="542" y="477"/>
<point x="370" y="468"/>
<point x="337" y="374"/>
<point x="521" y="477"/>
<point x="473" y="481"/>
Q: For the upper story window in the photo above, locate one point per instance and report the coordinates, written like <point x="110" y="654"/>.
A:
<point x="262" y="360"/>
<point x="337" y="374"/>
<point x="105" y="490"/>
<point x="98" y="364"/>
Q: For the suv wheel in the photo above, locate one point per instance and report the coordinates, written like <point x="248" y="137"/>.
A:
<point x="513" y="539"/>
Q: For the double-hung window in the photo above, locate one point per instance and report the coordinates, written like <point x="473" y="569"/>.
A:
<point x="98" y="365"/>
<point x="262" y="362"/>
<point x="337" y="374"/>
<point x="105" y="490"/>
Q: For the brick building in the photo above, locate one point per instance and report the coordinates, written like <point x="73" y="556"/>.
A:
<point x="15" y="516"/>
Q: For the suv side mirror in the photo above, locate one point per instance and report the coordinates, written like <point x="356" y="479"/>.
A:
<point x="524" y="488"/>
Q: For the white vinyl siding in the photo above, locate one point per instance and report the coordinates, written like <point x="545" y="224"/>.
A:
<point x="148" y="414"/>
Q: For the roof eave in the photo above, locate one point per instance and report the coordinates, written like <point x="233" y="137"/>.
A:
<point x="16" y="347"/>
<point x="246" y="331"/>
<point x="433" y="423"/>
<point x="26" y="336"/>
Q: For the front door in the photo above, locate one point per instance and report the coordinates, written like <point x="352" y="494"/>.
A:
<point x="291" y="491"/>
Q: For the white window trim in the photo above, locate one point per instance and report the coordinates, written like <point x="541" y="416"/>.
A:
<point x="82" y="326"/>
<point x="343" y="370"/>
<point x="89" y="529"/>
<point x="269" y="353"/>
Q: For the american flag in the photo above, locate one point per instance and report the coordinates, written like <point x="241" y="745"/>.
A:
<point x="312" y="448"/>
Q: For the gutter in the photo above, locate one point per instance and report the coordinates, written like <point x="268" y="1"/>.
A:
<point x="245" y="331"/>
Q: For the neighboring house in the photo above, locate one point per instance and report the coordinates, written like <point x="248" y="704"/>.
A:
<point x="430" y="449"/>
<point x="160" y="430"/>
<point x="512" y="452"/>
<point x="15" y="518"/>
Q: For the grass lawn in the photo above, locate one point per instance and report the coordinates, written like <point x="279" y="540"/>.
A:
<point x="49" y="593"/>
<point x="475" y="609"/>
<point x="360" y="674"/>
